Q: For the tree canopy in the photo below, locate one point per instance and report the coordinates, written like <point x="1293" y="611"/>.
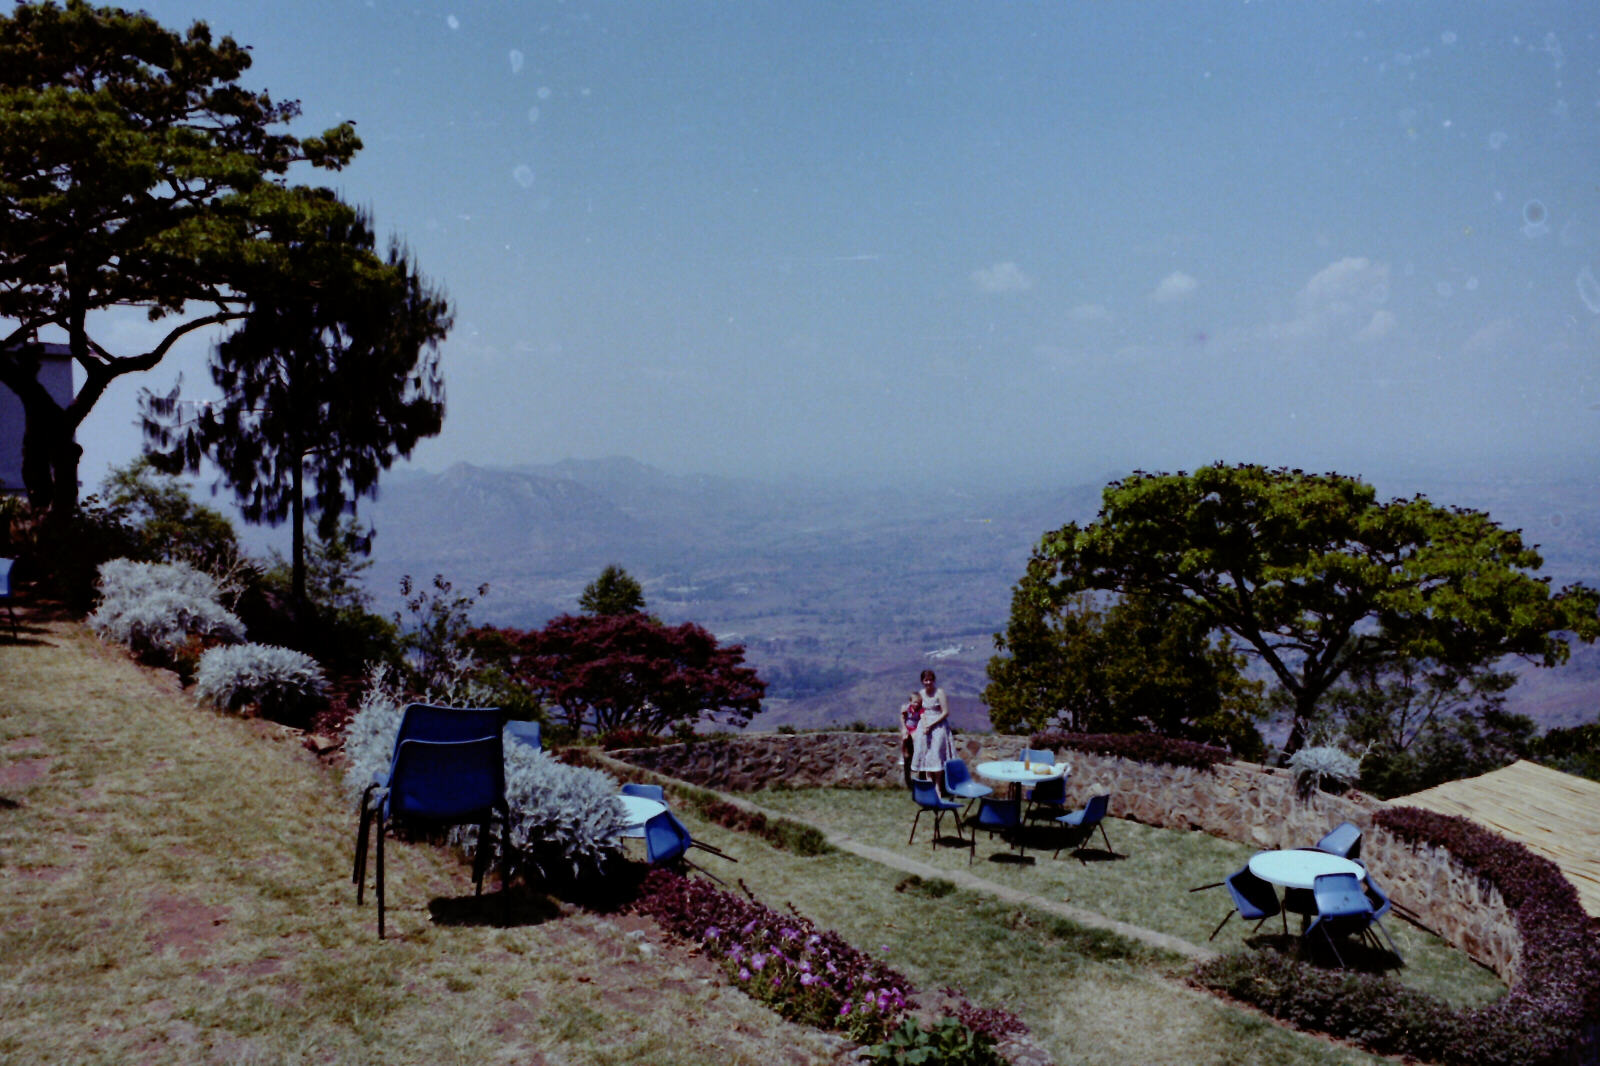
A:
<point x="135" y="172"/>
<point x="326" y="383"/>
<point x="614" y="592"/>
<point x="1129" y="665"/>
<point x="1315" y="576"/>
<point x="606" y="672"/>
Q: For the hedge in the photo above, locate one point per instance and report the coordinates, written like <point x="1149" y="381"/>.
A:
<point x="1545" y="1017"/>
<point x="1137" y="747"/>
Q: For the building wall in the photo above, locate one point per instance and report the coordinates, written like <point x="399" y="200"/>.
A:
<point x="55" y="371"/>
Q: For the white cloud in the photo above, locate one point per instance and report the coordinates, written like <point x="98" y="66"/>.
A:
<point x="1175" y="286"/>
<point x="1090" y="313"/>
<point x="1378" y="326"/>
<point x="1343" y="301"/>
<point x="1002" y="277"/>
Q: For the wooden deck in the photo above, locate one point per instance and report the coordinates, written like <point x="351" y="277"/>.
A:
<point x="1555" y="814"/>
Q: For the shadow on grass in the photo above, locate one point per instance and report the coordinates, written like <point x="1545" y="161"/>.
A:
<point x="1359" y="956"/>
<point x="523" y="907"/>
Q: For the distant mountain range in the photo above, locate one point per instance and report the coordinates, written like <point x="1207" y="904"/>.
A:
<point x="840" y="596"/>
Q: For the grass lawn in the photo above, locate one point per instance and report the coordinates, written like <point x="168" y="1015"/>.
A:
<point x="175" y="886"/>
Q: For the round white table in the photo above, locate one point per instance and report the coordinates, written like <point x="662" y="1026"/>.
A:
<point x="637" y="810"/>
<point x="1012" y="772"/>
<point x="1300" y="867"/>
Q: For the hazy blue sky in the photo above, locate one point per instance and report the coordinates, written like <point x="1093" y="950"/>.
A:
<point x="938" y="239"/>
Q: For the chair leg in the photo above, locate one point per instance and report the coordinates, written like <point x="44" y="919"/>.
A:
<point x="1220" y="924"/>
<point x="378" y="885"/>
<point x="480" y="857"/>
<point x="914" y="822"/>
<point x="359" y="874"/>
<point x="1109" y="848"/>
<point x="1376" y="924"/>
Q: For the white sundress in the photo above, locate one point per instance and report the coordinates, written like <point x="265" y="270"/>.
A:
<point x="933" y="749"/>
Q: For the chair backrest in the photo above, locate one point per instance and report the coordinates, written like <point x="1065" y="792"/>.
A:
<point x="1339" y="896"/>
<point x="1252" y="895"/>
<point x="925" y="793"/>
<point x="445" y="780"/>
<point x="1053" y="792"/>
<point x="1095" y="809"/>
<point x="424" y="721"/>
<point x="955" y="773"/>
<point x="1344" y="840"/>
<point x="525" y="732"/>
<point x="999" y="812"/>
<point x="1044" y="755"/>
<point x="1377" y="897"/>
<point x="665" y="838"/>
<point x="5" y="576"/>
<point x="652" y="792"/>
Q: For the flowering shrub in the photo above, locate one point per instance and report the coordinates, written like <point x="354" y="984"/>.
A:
<point x="1313" y="767"/>
<point x="280" y="682"/>
<point x="561" y="816"/>
<point x="807" y="975"/>
<point x="1540" y="1020"/>
<point x="1137" y="747"/>
<point x="154" y="608"/>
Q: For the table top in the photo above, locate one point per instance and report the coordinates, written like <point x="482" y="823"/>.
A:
<point x="1012" y="771"/>
<point x="1300" y="867"/>
<point x="637" y="810"/>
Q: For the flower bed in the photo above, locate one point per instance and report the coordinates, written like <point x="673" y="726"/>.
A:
<point x="1547" y="1017"/>
<point x="806" y="974"/>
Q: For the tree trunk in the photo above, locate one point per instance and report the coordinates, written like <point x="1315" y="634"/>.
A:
<point x="297" y="533"/>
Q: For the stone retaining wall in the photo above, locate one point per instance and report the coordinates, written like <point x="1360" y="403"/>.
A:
<point x="1236" y="801"/>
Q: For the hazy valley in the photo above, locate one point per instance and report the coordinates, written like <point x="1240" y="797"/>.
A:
<point x="841" y="596"/>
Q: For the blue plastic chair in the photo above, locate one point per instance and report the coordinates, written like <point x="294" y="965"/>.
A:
<point x="926" y="797"/>
<point x="435" y="784"/>
<point x="998" y="816"/>
<point x="1037" y="755"/>
<point x="1048" y="799"/>
<point x="1380" y="907"/>
<point x="667" y="841"/>
<point x="1342" y="909"/>
<point x="6" y="597"/>
<point x="1254" y="900"/>
<point x="643" y="791"/>
<point x="525" y="733"/>
<point x="958" y="782"/>
<point x="1083" y="822"/>
<point x="1344" y="840"/>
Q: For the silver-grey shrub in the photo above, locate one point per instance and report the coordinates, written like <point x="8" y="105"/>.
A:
<point x="562" y="817"/>
<point x="1313" y="767"/>
<point x="154" y="608"/>
<point x="278" y="681"/>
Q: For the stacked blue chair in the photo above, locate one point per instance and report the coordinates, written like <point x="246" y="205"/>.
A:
<point x="667" y="842"/>
<point x="958" y="782"/>
<point x="1048" y="799"/>
<point x="1253" y="900"/>
<point x="1342" y="909"/>
<point x="926" y="796"/>
<point x="998" y="816"/>
<point x="448" y="768"/>
<point x="1082" y="824"/>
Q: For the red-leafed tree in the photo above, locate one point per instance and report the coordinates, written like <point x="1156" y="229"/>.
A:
<point x="605" y="672"/>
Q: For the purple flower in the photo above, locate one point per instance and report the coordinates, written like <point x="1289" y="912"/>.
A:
<point x="777" y="979"/>
<point x="808" y="979"/>
<point x="713" y="932"/>
<point x="758" y="962"/>
<point x="844" y="1009"/>
<point x="744" y="974"/>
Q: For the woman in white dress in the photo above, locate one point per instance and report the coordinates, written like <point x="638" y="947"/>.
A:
<point x="934" y="744"/>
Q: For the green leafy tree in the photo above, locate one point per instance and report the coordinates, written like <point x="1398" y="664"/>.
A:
<point x="613" y="592"/>
<point x="167" y="522"/>
<point x="135" y="172"/>
<point x="1420" y="724"/>
<point x="333" y="375"/>
<point x="1128" y="664"/>
<point x="1311" y="573"/>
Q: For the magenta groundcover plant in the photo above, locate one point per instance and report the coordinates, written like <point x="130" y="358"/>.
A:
<point x="807" y="975"/>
